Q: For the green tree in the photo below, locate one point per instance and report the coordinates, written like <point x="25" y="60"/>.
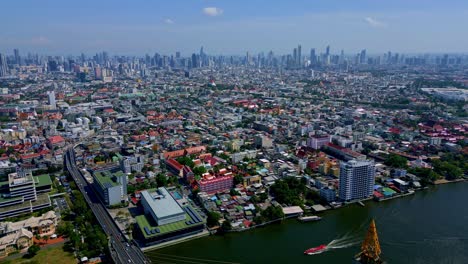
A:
<point x="226" y="226"/>
<point x="32" y="250"/>
<point x="161" y="180"/>
<point x="259" y="219"/>
<point x="288" y="191"/>
<point x="212" y="219"/>
<point x="238" y="179"/>
<point x="273" y="213"/>
<point x="198" y="171"/>
<point x="396" y="161"/>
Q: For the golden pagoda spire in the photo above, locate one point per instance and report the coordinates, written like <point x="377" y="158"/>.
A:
<point x="370" y="248"/>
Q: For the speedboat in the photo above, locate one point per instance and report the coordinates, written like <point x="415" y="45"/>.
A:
<point x="316" y="250"/>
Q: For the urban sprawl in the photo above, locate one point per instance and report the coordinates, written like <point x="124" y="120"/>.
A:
<point x="112" y="155"/>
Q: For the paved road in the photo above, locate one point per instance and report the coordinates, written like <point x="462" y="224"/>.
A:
<point x="122" y="251"/>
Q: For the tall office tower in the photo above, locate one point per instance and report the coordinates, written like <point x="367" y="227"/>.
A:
<point x="299" y="56"/>
<point x="313" y="57"/>
<point x="177" y="54"/>
<point x="341" y="59"/>
<point x="51" y="99"/>
<point x="105" y="56"/>
<point x="327" y="52"/>
<point x="445" y="60"/>
<point x="295" y="55"/>
<point x="97" y="73"/>
<point x="17" y="56"/>
<point x="357" y="178"/>
<point x="3" y="66"/>
<point x="194" y="61"/>
<point x="362" y="57"/>
<point x="270" y="58"/>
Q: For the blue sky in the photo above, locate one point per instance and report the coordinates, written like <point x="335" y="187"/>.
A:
<point x="232" y="26"/>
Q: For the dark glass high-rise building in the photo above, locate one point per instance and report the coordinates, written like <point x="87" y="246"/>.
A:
<point x="362" y="57"/>
<point x="299" y="56"/>
<point x="3" y="66"/>
<point x="17" y="56"/>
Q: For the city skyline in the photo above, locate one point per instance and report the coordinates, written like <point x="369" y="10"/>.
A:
<point x="135" y="28"/>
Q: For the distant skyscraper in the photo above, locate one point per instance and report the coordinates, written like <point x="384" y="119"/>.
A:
<point x="51" y="99"/>
<point x="3" y="66"/>
<point x="299" y="56"/>
<point x="98" y="73"/>
<point x="357" y="178"/>
<point x="194" y="61"/>
<point x="17" y="56"/>
<point x="313" y="57"/>
<point x="327" y="51"/>
<point x="362" y="57"/>
<point x="295" y="56"/>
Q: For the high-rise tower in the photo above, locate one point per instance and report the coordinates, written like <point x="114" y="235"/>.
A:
<point x="3" y="66"/>
<point x="357" y="178"/>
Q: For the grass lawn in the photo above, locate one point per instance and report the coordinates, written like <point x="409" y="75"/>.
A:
<point x="47" y="256"/>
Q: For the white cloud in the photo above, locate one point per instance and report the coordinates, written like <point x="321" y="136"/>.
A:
<point x="212" y="11"/>
<point x="374" y="22"/>
<point x="40" y="40"/>
<point x="169" y="21"/>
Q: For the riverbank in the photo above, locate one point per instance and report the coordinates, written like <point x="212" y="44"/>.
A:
<point x="346" y="205"/>
<point x="444" y="181"/>
<point x="420" y="228"/>
<point x="175" y="241"/>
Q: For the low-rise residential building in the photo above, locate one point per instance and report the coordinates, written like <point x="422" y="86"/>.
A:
<point x="17" y="241"/>
<point x="41" y="225"/>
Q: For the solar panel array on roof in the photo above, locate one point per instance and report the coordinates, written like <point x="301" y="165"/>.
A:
<point x="193" y="216"/>
<point x="107" y="185"/>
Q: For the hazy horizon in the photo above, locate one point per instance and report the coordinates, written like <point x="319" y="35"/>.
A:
<point x="138" y="27"/>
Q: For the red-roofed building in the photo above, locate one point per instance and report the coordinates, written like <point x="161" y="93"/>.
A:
<point x="212" y="184"/>
<point x="188" y="173"/>
<point x="175" y="167"/>
<point x="55" y="141"/>
<point x="29" y="157"/>
<point x="195" y="150"/>
<point x="173" y="154"/>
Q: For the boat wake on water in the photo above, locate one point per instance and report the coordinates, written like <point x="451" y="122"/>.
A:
<point x="343" y="242"/>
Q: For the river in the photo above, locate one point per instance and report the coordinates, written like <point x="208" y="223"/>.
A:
<point x="428" y="227"/>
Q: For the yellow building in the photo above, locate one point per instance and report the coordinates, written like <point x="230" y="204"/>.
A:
<point x="251" y="180"/>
